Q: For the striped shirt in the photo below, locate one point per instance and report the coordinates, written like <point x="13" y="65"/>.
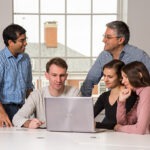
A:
<point x="15" y="77"/>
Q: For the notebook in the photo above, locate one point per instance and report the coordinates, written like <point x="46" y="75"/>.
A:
<point x="70" y="114"/>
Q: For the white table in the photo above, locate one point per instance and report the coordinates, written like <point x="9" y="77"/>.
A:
<point x="41" y="139"/>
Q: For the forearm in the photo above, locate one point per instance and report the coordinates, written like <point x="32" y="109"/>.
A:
<point x="86" y="88"/>
<point x="2" y="111"/>
<point x="1" y="108"/>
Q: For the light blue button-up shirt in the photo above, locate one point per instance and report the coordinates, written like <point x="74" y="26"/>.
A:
<point x="128" y="54"/>
<point x="15" y="77"/>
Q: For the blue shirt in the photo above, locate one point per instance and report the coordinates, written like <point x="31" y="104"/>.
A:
<point x="15" y="77"/>
<point x="128" y="54"/>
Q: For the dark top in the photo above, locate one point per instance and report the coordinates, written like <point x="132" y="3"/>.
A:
<point x="102" y="103"/>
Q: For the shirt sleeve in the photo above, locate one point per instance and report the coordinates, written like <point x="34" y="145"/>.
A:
<point x="93" y="78"/>
<point x="146" y="60"/>
<point x="121" y="113"/>
<point x="2" y="66"/>
<point x="123" y="117"/>
<point x="25" y="112"/>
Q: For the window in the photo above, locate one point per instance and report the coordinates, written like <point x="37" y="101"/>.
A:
<point x="80" y="26"/>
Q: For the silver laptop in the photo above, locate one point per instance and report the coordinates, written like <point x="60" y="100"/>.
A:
<point x="72" y="114"/>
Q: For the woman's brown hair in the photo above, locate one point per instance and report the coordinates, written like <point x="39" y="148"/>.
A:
<point x="137" y="74"/>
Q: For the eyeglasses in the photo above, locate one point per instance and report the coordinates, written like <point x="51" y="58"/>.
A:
<point x="110" y="37"/>
<point x="21" y="40"/>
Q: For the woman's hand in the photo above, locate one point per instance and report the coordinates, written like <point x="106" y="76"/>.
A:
<point x="124" y="94"/>
<point x="117" y="126"/>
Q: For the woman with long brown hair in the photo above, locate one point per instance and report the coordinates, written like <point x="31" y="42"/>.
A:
<point x="135" y="78"/>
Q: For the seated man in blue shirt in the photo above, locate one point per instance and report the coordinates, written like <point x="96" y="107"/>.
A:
<point x="15" y="73"/>
<point x="116" y="46"/>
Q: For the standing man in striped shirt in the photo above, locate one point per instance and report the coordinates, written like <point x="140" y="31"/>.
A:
<point x="15" y="73"/>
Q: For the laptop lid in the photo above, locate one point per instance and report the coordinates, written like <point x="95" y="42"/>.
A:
<point x="73" y="114"/>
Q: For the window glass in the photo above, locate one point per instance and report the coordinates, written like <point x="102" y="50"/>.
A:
<point x="99" y="26"/>
<point x="26" y="6"/>
<point x="52" y="6"/>
<point x="80" y="26"/>
<point x="104" y="6"/>
<point x="31" y="24"/>
<point x="43" y="64"/>
<point x="33" y="49"/>
<point x="78" y="6"/>
<point x="78" y="65"/>
<point x="32" y="32"/>
<point x="78" y="35"/>
<point x="35" y="65"/>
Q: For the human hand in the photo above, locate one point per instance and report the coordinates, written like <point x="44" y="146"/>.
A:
<point x="117" y="126"/>
<point x="35" y="123"/>
<point x="4" y="119"/>
<point x="124" y="94"/>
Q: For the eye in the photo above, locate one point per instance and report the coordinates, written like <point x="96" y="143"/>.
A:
<point x="54" y="75"/>
<point x="62" y="75"/>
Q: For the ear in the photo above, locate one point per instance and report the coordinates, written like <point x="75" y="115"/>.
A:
<point x="140" y="74"/>
<point x="47" y="75"/>
<point x="10" y="42"/>
<point x="121" y="40"/>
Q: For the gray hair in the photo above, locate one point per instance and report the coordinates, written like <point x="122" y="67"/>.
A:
<point x="121" y="29"/>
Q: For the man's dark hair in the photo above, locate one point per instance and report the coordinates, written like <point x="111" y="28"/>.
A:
<point x="12" y="32"/>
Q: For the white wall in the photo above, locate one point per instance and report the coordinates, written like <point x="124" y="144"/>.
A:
<point x="5" y="17"/>
<point x="139" y="23"/>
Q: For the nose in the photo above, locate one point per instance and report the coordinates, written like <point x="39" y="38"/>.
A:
<point x="58" y="79"/>
<point x="104" y="39"/>
<point x="122" y="81"/>
<point x="25" y="43"/>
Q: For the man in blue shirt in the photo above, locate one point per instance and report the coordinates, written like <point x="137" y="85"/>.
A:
<point x="15" y="73"/>
<point x="116" y="40"/>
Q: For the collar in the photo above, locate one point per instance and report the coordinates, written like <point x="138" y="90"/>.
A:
<point x="124" y="50"/>
<point x="9" y="54"/>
